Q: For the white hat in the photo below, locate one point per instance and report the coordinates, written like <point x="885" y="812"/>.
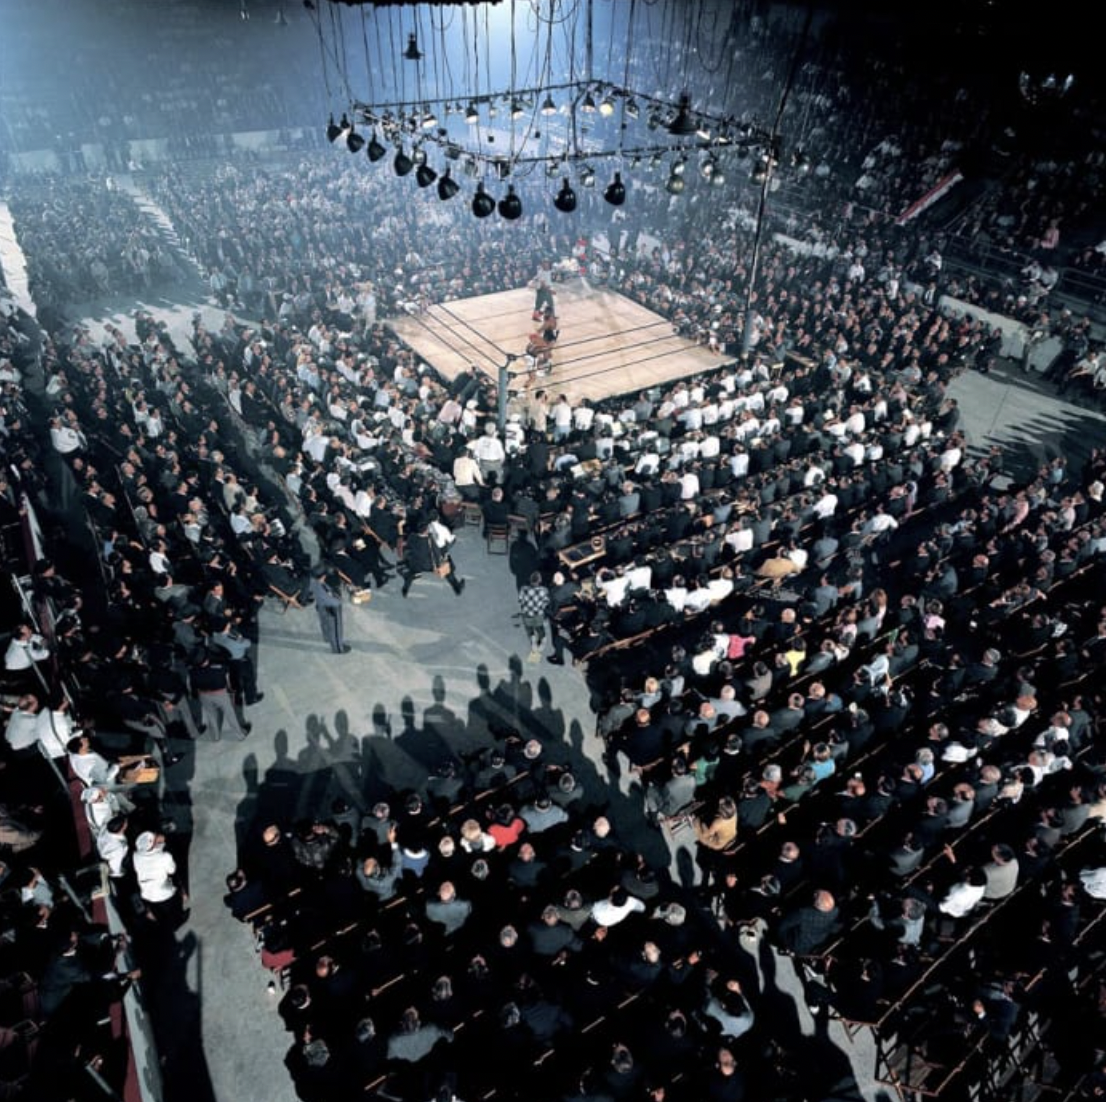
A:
<point x="146" y="841"/>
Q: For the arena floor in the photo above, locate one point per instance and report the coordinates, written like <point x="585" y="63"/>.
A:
<point x="608" y="344"/>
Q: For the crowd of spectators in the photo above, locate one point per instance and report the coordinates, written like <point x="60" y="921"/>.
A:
<point x="848" y="665"/>
<point x="120" y="252"/>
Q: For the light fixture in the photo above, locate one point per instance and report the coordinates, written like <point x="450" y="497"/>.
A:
<point x="503" y="168"/>
<point x="702" y="130"/>
<point x="425" y="175"/>
<point x="615" y="193"/>
<point x="472" y="116"/>
<point x="553" y="168"/>
<point x="606" y="106"/>
<point x="510" y="206"/>
<point x="717" y="176"/>
<point x="492" y="110"/>
<point x="707" y="167"/>
<point x="354" y="141"/>
<point x="447" y="186"/>
<point x="482" y="203"/>
<point x="412" y="53"/>
<point x="683" y="125"/>
<point x="655" y="161"/>
<point x="760" y="169"/>
<point x="565" y="199"/>
<point x="402" y="163"/>
<point x="375" y="150"/>
<point x="588" y="105"/>
<point x="332" y="130"/>
<point x="631" y="108"/>
<point x="418" y="155"/>
<point x="800" y="162"/>
<point x="675" y="185"/>
<point x="587" y="176"/>
<point x="679" y="166"/>
<point x="517" y="109"/>
<point x="429" y="120"/>
<point x="344" y="127"/>
<point x="548" y="107"/>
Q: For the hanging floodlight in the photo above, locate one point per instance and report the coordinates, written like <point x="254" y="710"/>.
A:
<point x="588" y="105"/>
<point x="375" y="151"/>
<point x="510" y="206"/>
<point x="553" y="168"/>
<point x="683" y="124"/>
<point x="678" y="167"/>
<point x="702" y="130"/>
<point x="631" y="108"/>
<point x="332" y="130"/>
<point x="482" y="203"/>
<point x="606" y="106"/>
<point x="354" y="141"/>
<point x="425" y="175"/>
<point x="587" y="176"/>
<point x="429" y="120"/>
<point x="717" y="176"/>
<point x="402" y="163"/>
<point x="548" y="107"/>
<point x="472" y="116"/>
<point x="344" y="127"/>
<point x="615" y="193"/>
<point x="517" y="109"/>
<point x="412" y="53"/>
<point x="675" y="185"/>
<point x="447" y="186"/>
<point x="707" y="167"/>
<point x="565" y="199"/>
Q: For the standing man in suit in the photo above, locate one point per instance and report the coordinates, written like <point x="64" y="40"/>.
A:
<point x="328" y="607"/>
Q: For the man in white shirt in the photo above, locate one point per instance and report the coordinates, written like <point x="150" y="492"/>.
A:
<point x="21" y="733"/>
<point x="964" y="897"/>
<point x="25" y="649"/>
<point x="54" y="729"/>
<point x="616" y="908"/>
<point x="154" y="869"/>
<point x="488" y="451"/>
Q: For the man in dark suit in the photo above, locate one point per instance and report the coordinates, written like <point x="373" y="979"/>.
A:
<point x="328" y="607"/>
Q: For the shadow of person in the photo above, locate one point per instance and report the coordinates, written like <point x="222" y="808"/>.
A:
<point x="547" y="722"/>
<point x="438" y="721"/>
<point x="482" y="709"/>
<point x="175" y="1007"/>
<point x="248" y="805"/>
<point x="381" y="724"/>
<point x="513" y="695"/>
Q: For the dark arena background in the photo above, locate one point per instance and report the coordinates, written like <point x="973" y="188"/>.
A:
<point x="554" y="551"/>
